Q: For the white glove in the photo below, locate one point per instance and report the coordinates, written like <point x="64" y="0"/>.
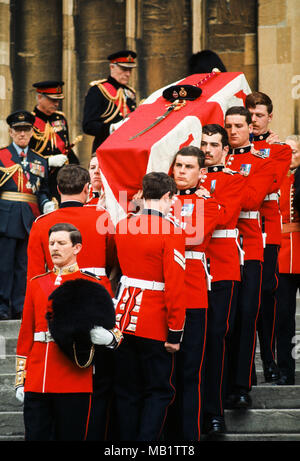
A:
<point x="114" y="126"/>
<point x="20" y="394"/>
<point x="48" y="206"/>
<point x="101" y="336"/>
<point x="57" y="160"/>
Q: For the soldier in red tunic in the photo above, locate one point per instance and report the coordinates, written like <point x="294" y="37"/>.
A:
<point x="261" y="108"/>
<point x="57" y="391"/>
<point x="225" y="257"/>
<point x="260" y="173"/>
<point x="95" y="226"/>
<point x="198" y="216"/>
<point x="150" y="312"/>
<point x="108" y="101"/>
<point x="289" y="267"/>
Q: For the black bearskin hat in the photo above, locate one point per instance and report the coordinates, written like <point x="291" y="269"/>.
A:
<point x="77" y="307"/>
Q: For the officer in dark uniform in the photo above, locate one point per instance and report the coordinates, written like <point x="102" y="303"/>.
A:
<point x="24" y="194"/>
<point x="50" y="132"/>
<point x="108" y="101"/>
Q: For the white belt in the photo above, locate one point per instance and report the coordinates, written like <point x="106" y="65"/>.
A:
<point x="249" y="215"/>
<point x="225" y="233"/>
<point x="43" y="336"/>
<point x="144" y="284"/>
<point x="95" y="270"/>
<point x="273" y="196"/>
<point x="195" y="255"/>
<point x="200" y="255"/>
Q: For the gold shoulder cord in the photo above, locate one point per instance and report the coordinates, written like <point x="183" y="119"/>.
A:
<point x="87" y="364"/>
<point x="9" y="172"/>
<point x="120" y="99"/>
<point x="43" y="137"/>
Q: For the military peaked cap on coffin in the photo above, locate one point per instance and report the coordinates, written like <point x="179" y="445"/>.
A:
<point x="124" y="58"/>
<point x="20" y="118"/>
<point x="50" y="88"/>
<point x="183" y="92"/>
<point x="77" y="307"/>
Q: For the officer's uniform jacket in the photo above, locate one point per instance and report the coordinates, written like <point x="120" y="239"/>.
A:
<point x="96" y="229"/>
<point x="106" y="102"/>
<point x="198" y="217"/>
<point x="23" y="190"/>
<point x="260" y="175"/>
<point x="150" y="302"/>
<point x="51" y="135"/>
<point x="289" y="261"/>
<point x="270" y="217"/>
<point x="224" y="251"/>
<point x="40" y="361"/>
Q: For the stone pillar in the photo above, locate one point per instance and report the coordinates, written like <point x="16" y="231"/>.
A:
<point x="100" y="31"/>
<point x="69" y="72"/>
<point x="37" y="36"/>
<point x="5" y="72"/>
<point x="231" y="31"/>
<point x="164" y="44"/>
<point x="279" y="66"/>
<point x="198" y="25"/>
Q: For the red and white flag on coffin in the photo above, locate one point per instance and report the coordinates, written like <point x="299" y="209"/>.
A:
<point x="124" y="161"/>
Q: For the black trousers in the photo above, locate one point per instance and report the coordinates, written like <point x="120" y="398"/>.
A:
<point x="13" y="271"/>
<point x="144" y="388"/>
<point x="222" y="301"/>
<point x="185" y="416"/>
<point x="286" y="324"/>
<point x="267" y="313"/>
<point x="243" y="340"/>
<point x="100" y="416"/>
<point x="56" y="417"/>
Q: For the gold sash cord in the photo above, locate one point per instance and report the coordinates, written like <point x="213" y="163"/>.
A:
<point x="119" y="99"/>
<point x="44" y="137"/>
<point x="18" y="197"/>
<point x="9" y="172"/>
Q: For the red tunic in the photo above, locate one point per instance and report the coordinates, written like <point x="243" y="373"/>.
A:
<point x="260" y="177"/>
<point x="269" y="211"/>
<point x="289" y="261"/>
<point x="223" y="252"/>
<point x="151" y="248"/>
<point x="47" y="368"/>
<point x="97" y="237"/>
<point x="198" y="217"/>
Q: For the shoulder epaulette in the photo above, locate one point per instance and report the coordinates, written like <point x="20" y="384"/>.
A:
<point x="89" y="274"/>
<point x="173" y="221"/>
<point x="4" y="147"/>
<point x="97" y="82"/>
<point x="40" y="275"/>
<point x="229" y="171"/>
<point x="43" y="215"/>
<point x="37" y="153"/>
<point x="60" y="113"/>
<point x="131" y="89"/>
<point x="259" y="153"/>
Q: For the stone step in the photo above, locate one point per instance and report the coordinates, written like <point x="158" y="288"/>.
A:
<point x="263" y="421"/>
<point x="280" y="437"/>
<point x="11" y="423"/>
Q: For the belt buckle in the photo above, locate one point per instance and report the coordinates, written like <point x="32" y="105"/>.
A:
<point x="48" y="336"/>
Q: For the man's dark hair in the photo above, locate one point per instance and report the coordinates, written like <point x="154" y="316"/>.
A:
<point x="157" y="184"/>
<point x="214" y="128"/>
<point x="257" y="97"/>
<point x="239" y="110"/>
<point x="71" y="179"/>
<point x="75" y="235"/>
<point x="192" y="151"/>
